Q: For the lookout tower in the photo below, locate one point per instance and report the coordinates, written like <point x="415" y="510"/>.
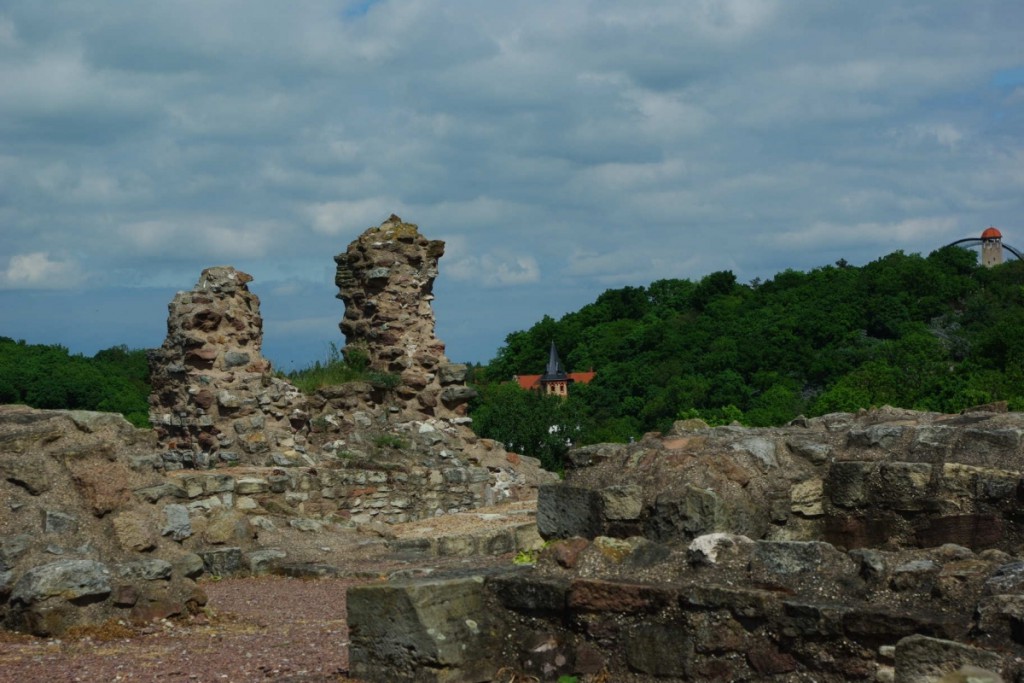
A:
<point x="991" y="247"/>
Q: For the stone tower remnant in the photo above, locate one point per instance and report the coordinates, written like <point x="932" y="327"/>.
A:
<point x="386" y="279"/>
<point x="213" y="394"/>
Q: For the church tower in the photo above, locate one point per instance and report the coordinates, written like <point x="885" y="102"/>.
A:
<point x="991" y="247"/>
<point x="555" y="380"/>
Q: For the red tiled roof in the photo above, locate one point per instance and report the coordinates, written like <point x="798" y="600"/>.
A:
<point x="533" y="381"/>
<point x="528" y="381"/>
<point x="991" y="234"/>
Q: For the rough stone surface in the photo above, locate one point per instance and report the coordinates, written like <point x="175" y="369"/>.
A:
<point x="386" y="279"/>
<point x="213" y="393"/>
<point x="881" y="546"/>
<point x="434" y="630"/>
<point x="920" y="659"/>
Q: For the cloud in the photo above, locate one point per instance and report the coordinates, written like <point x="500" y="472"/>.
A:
<point x="39" y="271"/>
<point x="202" y="238"/>
<point x="500" y="269"/>
<point x="558" y="148"/>
<point x="938" y="231"/>
<point x="333" y="218"/>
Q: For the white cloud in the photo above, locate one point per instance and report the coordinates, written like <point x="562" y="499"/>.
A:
<point x="495" y="269"/>
<point x="350" y="217"/>
<point x="204" y="239"/>
<point x="936" y="231"/>
<point x="38" y="270"/>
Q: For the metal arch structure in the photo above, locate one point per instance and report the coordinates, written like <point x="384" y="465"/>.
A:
<point x="978" y="240"/>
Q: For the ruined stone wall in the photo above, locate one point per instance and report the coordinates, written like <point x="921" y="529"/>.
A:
<point x="77" y="546"/>
<point x="214" y="398"/>
<point x="386" y="279"/>
<point x="888" y="477"/>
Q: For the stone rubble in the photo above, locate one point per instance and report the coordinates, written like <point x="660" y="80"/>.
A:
<point x="882" y="546"/>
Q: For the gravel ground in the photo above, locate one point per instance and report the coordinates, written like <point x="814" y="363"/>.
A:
<point x="262" y="629"/>
<point x="254" y="629"/>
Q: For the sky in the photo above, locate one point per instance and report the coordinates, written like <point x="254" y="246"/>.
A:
<point x="558" y="148"/>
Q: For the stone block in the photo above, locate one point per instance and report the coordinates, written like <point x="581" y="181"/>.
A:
<point x="66" y="579"/>
<point x="529" y="594"/>
<point x="154" y="494"/>
<point x="792" y="562"/>
<point x="883" y="436"/>
<point x="145" y="570"/>
<point x="806" y="498"/>
<point x="874" y="626"/>
<point x="846" y="484"/>
<point x="457" y="546"/>
<point x="431" y="631"/>
<point x="745" y="603"/>
<point x="595" y="595"/>
<point x="565" y="511"/>
<point x="694" y="512"/>
<point x="622" y="502"/>
<point x="177" y="523"/>
<point x="262" y="562"/>
<point x="222" y="561"/>
<point x="659" y="650"/>
<point x="811" y="620"/>
<point x="58" y="523"/>
<point x="903" y="486"/>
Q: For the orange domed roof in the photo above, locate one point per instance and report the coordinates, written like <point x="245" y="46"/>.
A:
<point x="991" y="234"/>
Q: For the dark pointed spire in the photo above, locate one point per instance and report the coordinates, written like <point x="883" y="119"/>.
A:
<point x="554" y="369"/>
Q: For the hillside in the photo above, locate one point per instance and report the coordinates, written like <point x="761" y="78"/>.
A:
<point x="48" y="376"/>
<point x="936" y="333"/>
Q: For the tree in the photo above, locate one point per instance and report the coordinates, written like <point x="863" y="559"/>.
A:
<point x="528" y="422"/>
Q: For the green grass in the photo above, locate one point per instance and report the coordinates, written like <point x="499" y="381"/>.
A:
<point x="337" y="369"/>
<point x="390" y="441"/>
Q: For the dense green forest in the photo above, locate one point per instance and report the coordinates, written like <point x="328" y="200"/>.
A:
<point x="114" y="380"/>
<point x="932" y="333"/>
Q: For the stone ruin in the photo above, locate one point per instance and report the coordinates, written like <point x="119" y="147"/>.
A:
<point x="241" y="471"/>
<point x="216" y="401"/>
<point x="214" y="397"/>
<point x="386" y="279"/>
<point x="882" y="546"/>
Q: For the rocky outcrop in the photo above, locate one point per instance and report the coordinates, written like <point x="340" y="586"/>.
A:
<point x="889" y="477"/>
<point x="386" y="279"/>
<point x="76" y="545"/>
<point x="882" y="546"/>
<point x="214" y="398"/>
